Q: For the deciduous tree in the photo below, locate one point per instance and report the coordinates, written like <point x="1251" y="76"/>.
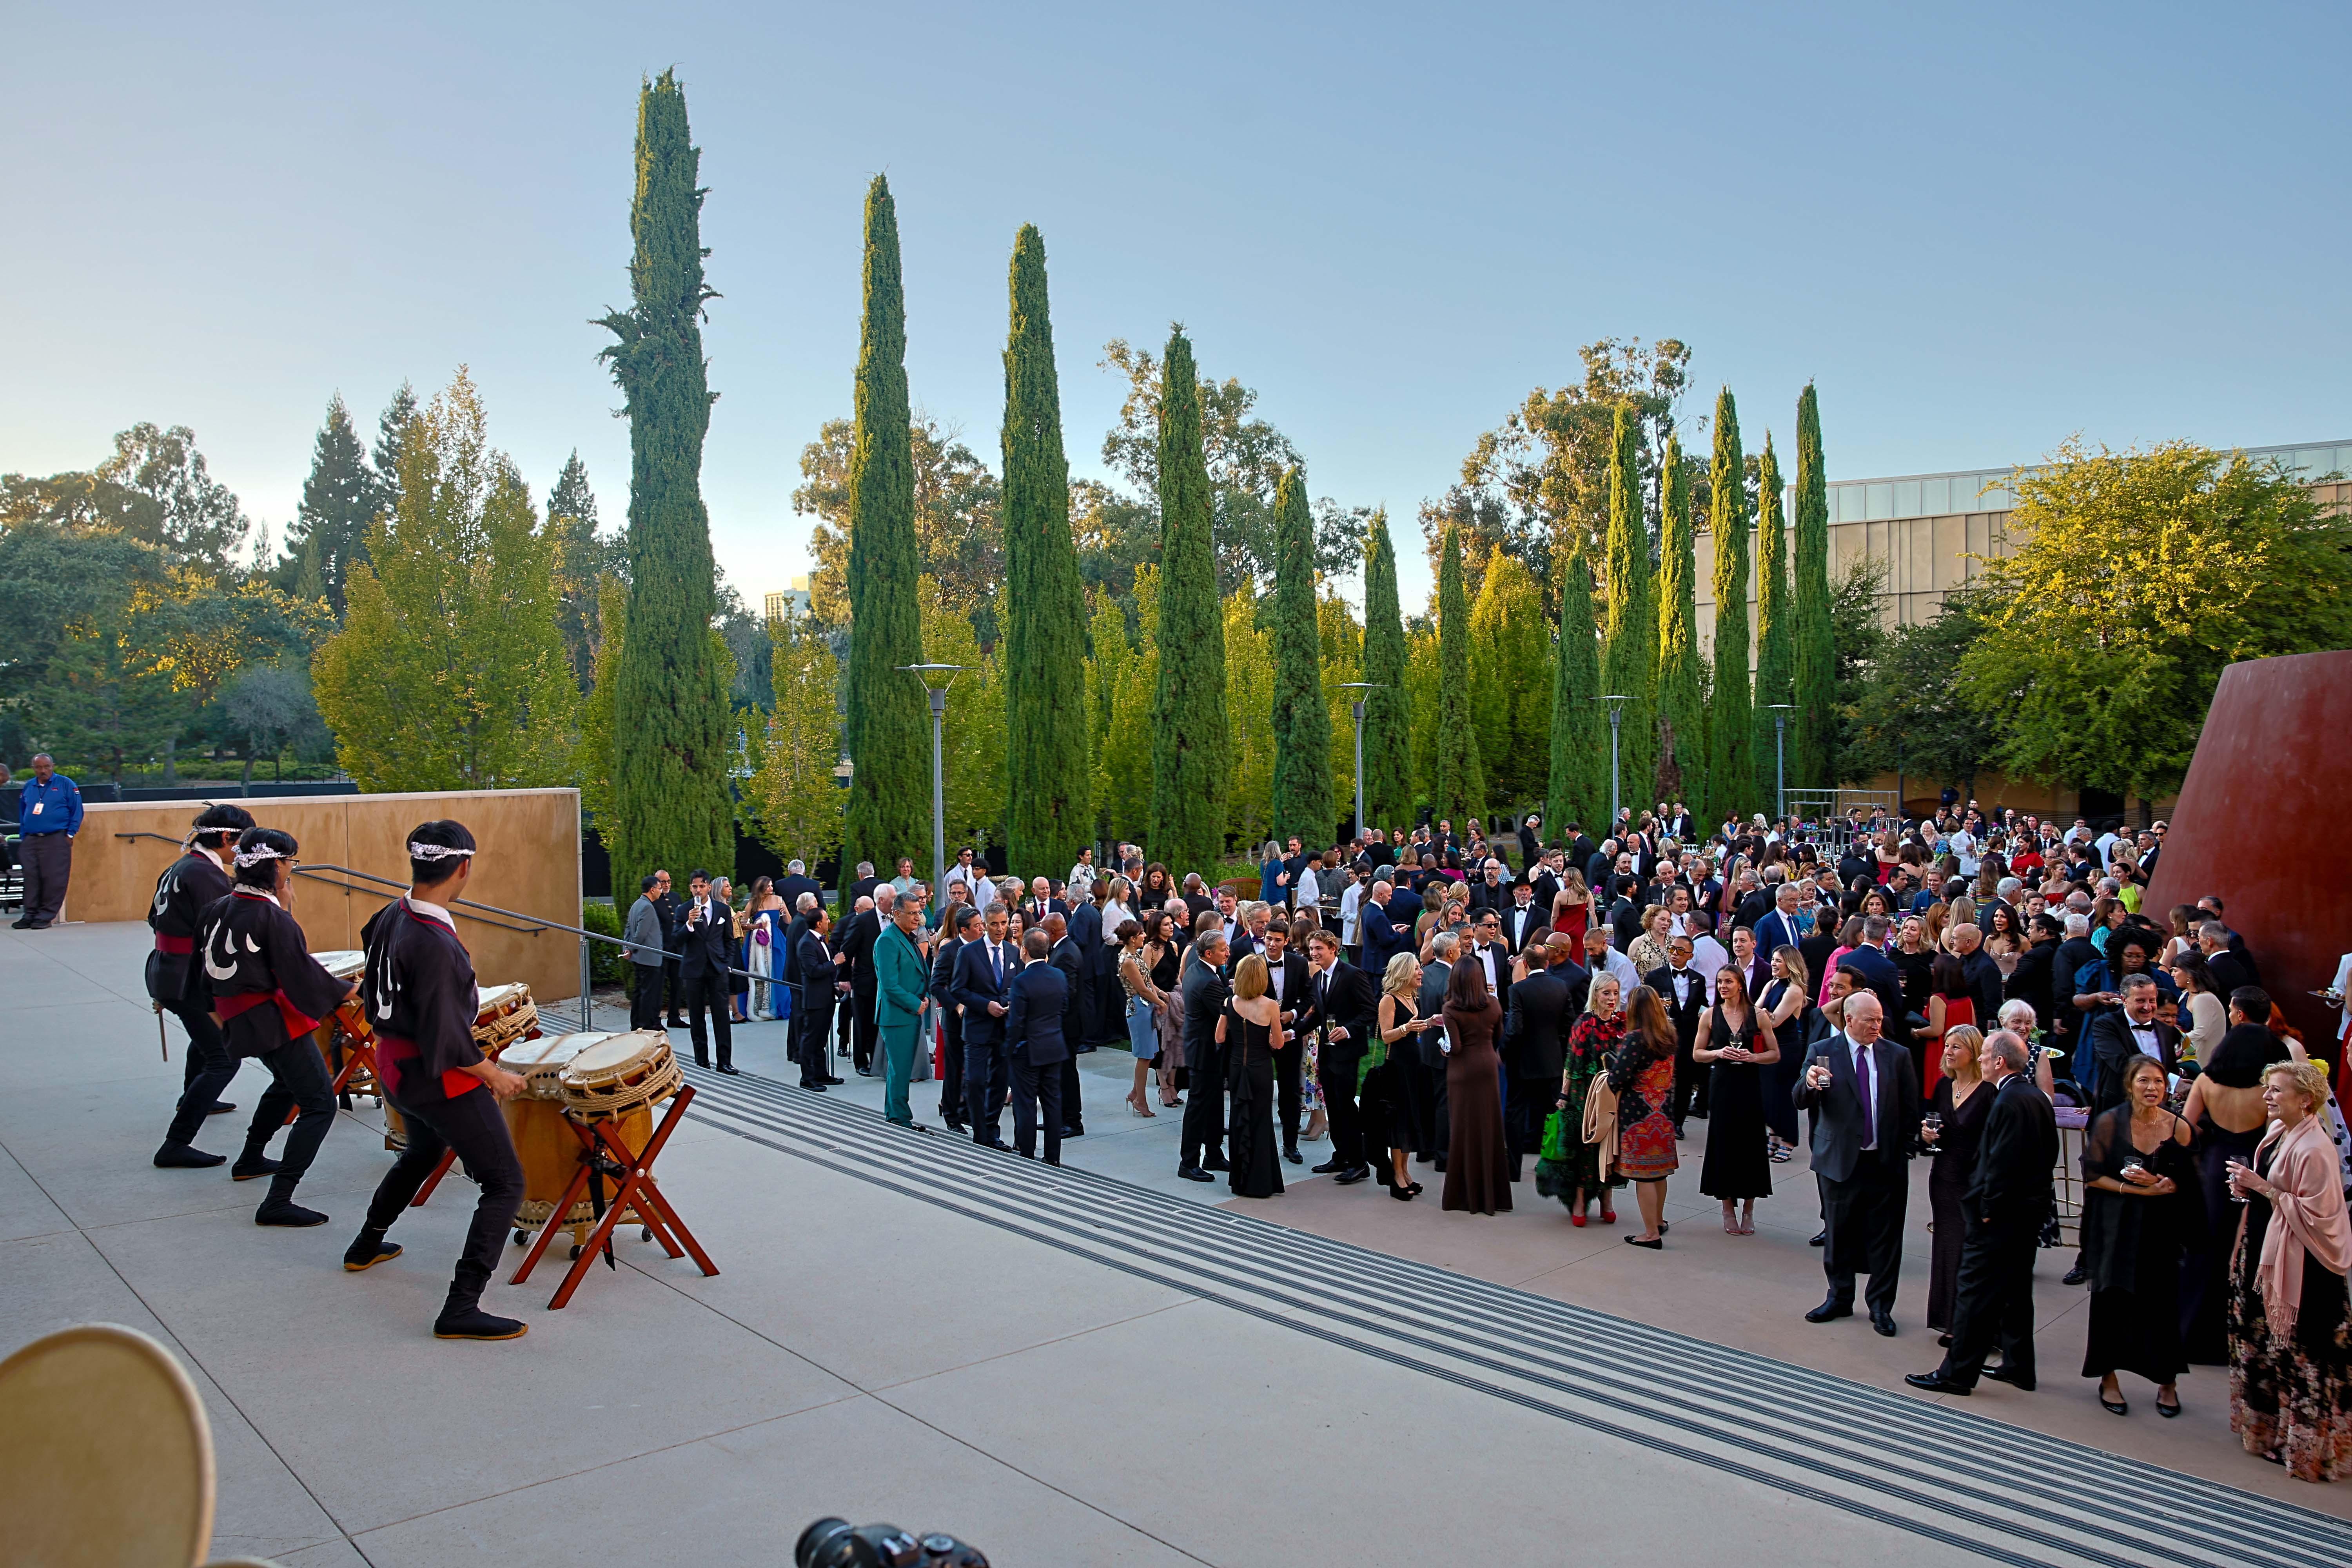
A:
<point x="1388" y="706"/>
<point x="1629" y="618"/>
<point x="792" y="802"/>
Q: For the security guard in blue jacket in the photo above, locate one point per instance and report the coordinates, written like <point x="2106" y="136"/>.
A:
<point x="48" y="816"/>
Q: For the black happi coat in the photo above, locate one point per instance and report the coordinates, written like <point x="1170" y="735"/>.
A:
<point x="188" y="886"/>
<point x="421" y="1000"/>
<point x="257" y="969"/>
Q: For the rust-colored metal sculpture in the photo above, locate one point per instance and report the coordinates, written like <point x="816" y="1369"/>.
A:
<point x="2260" y="823"/>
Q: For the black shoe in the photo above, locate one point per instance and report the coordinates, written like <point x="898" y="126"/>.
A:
<point x="1070" y="1133"/>
<point x="221" y="1108"/>
<point x="1291" y="1153"/>
<point x="363" y="1254"/>
<point x="1350" y="1178"/>
<point x="2076" y="1275"/>
<point x="1655" y="1244"/>
<point x="1828" y="1310"/>
<point x="1193" y="1173"/>
<point x="701" y="1060"/>
<point x="867" y="1072"/>
<point x="473" y="1323"/>
<point x="249" y="1166"/>
<point x="2003" y="1374"/>
<point x="836" y="1080"/>
<point x="814" y="1088"/>
<point x="1216" y="1163"/>
<point x="1945" y="1340"/>
<point x="674" y="1024"/>
<point x="21" y="925"/>
<point x="1936" y="1382"/>
<point x="186" y="1157"/>
<point x="285" y="1211"/>
<point x="2167" y="1411"/>
<point x="1002" y="1147"/>
<point x="1328" y="1166"/>
<point x="39" y="925"/>
<point x="1679" y="1134"/>
<point x="1438" y="1164"/>
<point x="729" y="1070"/>
<point x="1884" y="1322"/>
<point x="1821" y="1238"/>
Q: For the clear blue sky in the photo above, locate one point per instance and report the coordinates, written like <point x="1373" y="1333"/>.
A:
<point x="1976" y="232"/>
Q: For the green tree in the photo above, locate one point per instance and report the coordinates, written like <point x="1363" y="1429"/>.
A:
<point x="958" y="528"/>
<point x="1422" y="680"/>
<point x="1249" y="707"/>
<point x="105" y="696"/>
<point x="1813" y="744"/>
<point x="1511" y="682"/>
<point x="1629" y="618"/>
<point x="449" y="672"/>
<point x="1342" y="655"/>
<point x="1682" y="715"/>
<point x="583" y="559"/>
<point x="1388" y="706"/>
<point x="671" y="800"/>
<point x="338" y="501"/>
<point x="1191" y="740"/>
<point x="1303" y="792"/>
<point x="1111" y="659"/>
<point x="155" y="487"/>
<point x="1911" y="717"/>
<point x="792" y="803"/>
<point x="391" y="433"/>
<point x="1049" y="801"/>
<point x="1128" y="675"/>
<point x="2144" y="575"/>
<point x="1577" y="788"/>
<point x="596" y="708"/>
<point x="1731" y="727"/>
<point x="973" y="753"/>
<point x="1460" y="792"/>
<point x="1776" y="642"/>
<point x="889" y="728"/>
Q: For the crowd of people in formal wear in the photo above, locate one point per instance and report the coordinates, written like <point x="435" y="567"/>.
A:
<point x="1961" y="987"/>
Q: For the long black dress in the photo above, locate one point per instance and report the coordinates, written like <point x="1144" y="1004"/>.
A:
<point x="1947" y="1177"/>
<point x="1377" y="1112"/>
<point x="1256" y="1157"/>
<point x="1737" y="1164"/>
<point x="2132" y="1247"/>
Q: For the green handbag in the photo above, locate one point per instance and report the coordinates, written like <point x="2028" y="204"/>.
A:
<point x="1557" y="1144"/>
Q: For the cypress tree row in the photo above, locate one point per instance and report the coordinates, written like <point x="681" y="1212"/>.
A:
<point x="1776" y="657"/>
<point x="1682" y="715"/>
<point x="1578" y="790"/>
<point x="1460" y="791"/>
<point x="671" y="803"/>
<point x="1388" y="706"/>
<point x="888" y="732"/>
<point x="1189" y="735"/>
<point x="1049" y="808"/>
<point x="1813" y="747"/>
<point x="1731" y="733"/>
<point x="1629" y="623"/>
<point x="1303" y="788"/>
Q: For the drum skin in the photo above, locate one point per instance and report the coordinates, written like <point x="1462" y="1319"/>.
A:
<point x="550" y="1151"/>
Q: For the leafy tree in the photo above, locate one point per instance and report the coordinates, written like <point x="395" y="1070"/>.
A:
<point x="104" y="697"/>
<point x="1191" y="740"/>
<point x="1422" y="680"/>
<point x="1342" y="644"/>
<point x="958" y="528"/>
<point x="1249" y="704"/>
<point x="1510" y="681"/>
<point x="1859" y="640"/>
<point x="271" y="705"/>
<point x="62" y="583"/>
<point x="155" y="487"/>
<point x="584" y="558"/>
<point x="202" y="633"/>
<point x="744" y="636"/>
<point x="1731" y="723"/>
<point x="1460" y="792"/>
<point x="338" y="501"/>
<point x="390" y="436"/>
<point x="1577" y="791"/>
<point x="1117" y="535"/>
<point x="1301" y="718"/>
<point x="1388" y="706"/>
<point x="1776" y="642"/>
<point x="2144" y="575"/>
<point x="1629" y="618"/>
<point x="1911" y="717"/>
<point x="792" y="802"/>
<point x="1682" y="724"/>
<point x="1049" y="798"/>
<point x="672" y="804"/>
<point x="1127" y="678"/>
<point x="449" y="672"/>
<point x="596" y="710"/>
<point x="1813" y="752"/>
<point x="973" y="748"/>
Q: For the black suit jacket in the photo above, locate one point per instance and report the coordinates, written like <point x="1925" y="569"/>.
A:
<point x="1838" y="1153"/>
<point x="1297" y="996"/>
<point x="1351" y="1002"/>
<point x="1066" y="958"/>
<point x="1533" y="1030"/>
<point x="2016" y="1156"/>
<point x="2029" y="981"/>
<point x="1086" y="929"/>
<point x="813" y="968"/>
<point x="708" y="949"/>
<point x="1878" y="972"/>
<point x="1690" y="1012"/>
<point x="790" y="888"/>
<point x="2230" y="969"/>
<point x="2113" y="1044"/>
<point x="942" y="987"/>
<point x="858" y="950"/>
<point x="1204" y="992"/>
<point x="1522" y="926"/>
<point x="976" y="986"/>
<point x="1041" y="997"/>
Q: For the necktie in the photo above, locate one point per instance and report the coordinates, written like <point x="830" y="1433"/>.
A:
<point x="996" y="954"/>
<point x="1869" y="1099"/>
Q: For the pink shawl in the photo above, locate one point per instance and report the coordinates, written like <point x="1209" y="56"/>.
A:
<point x="2306" y="1209"/>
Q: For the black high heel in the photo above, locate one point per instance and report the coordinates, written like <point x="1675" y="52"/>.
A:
<point x="1402" y="1195"/>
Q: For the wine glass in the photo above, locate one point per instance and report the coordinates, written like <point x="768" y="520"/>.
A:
<point x="2237" y="1194"/>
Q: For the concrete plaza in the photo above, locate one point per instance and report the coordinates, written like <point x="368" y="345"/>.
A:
<point x="1101" y="1365"/>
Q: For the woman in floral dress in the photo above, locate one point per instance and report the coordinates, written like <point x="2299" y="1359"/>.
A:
<point x="1643" y="1074"/>
<point x="1590" y="1043"/>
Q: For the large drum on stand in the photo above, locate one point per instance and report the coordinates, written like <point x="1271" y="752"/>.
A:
<point x="616" y="1079"/>
<point x="544" y="1139"/>
<point x="503" y="1015"/>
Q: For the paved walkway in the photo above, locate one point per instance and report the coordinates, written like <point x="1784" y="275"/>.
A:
<point x="1064" y="1367"/>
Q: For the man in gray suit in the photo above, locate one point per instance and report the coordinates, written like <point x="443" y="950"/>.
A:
<point x="1865" y="1096"/>
<point x="644" y="933"/>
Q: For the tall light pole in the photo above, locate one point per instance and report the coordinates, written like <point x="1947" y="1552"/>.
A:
<point x="1356" y="706"/>
<point x="924" y="672"/>
<point x="1616" y="721"/>
<point x="1781" y="711"/>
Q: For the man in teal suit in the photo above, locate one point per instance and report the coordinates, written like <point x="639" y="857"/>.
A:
<point x="901" y="980"/>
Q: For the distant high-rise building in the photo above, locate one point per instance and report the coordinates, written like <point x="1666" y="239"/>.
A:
<point x="795" y="598"/>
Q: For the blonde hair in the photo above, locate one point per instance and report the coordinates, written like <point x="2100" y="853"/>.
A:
<point x="1397" y="979"/>
<point x="1249" y="978"/>
<point x="1972" y="1037"/>
<point x="1592" y="991"/>
<point x="2308" y="1081"/>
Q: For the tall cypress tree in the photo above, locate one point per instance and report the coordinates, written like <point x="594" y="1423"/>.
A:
<point x="889" y="728"/>
<point x="1776" y="656"/>
<point x="1731" y="733"/>
<point x="1578" y="790"/>
<point x="1814" y="748"/>
<point x="1682" y="714"/>
<point x="1460" y="792"/>
<point x="339" y="500"/>
<point x="1629" y="621"/>
<point x="671" y="804"/>
<point x="1388" y="706"/>
<point x="1190" y="739"/>
<point x="1303" y="788"/>
<point x="1049" y="805"/>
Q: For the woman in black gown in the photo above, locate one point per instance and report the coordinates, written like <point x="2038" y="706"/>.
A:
<point x="1379" y="1110"/>
<point x="1251" y="1032"/>
<point x="2140" y="1203"/>
<point x="1737" y="1040"/>
<point x="1961" y="1103"/>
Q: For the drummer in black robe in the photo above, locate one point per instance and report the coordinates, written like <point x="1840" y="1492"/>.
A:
<point x="269" y="993"/>
<point x="189" y="885"/>
<point x="419" y="987"/>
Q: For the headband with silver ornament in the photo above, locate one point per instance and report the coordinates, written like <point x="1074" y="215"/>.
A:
<point x="257" y="854"/>
<point x="432" y="852"/>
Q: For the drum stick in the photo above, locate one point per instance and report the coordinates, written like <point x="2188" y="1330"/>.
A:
<point x="161" y="1038"/>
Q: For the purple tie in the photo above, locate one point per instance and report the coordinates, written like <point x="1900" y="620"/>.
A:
<point x="1869" y="1107"/>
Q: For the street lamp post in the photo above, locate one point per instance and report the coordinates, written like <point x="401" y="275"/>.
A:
<point x="939" y="770"/>
<point x="1356" y="706"/>
<point x="1616" y="721"/>
<point x="1781" y="711"/>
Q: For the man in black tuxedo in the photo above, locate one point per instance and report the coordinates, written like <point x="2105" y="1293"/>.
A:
<point x="1036" y="1047"/>
<point x="2007" y="1200"/>
<point x="1535" y="1033"/>
<point x="1086" y="936"/>
<point x="966" y="922"/>
<point x="797" y="881"/>
<point x="1285" y="977"/>
<point x="857" y="939"/>
<point x="2033" y="979"/>
<point x="1684" y="990"/>
<point x="812" y="1003"/>
<point x="1530" y="841"/>
<point x="1040" y="903"/>
<point x="862" y="886"/>
<point x="1344" y="1003"/>
<point x="1489" y="890"/>
<point x="984" y="988"/>
<point x="1867" y="1097"/>
<point x="1526" y="920"/>
<point x="1066" y="958"/>
<point x="707" y="942"/>
<point x="1203" y="991"/>
<point x="2131" y="1030"/>
<point x="1883" y="980"/>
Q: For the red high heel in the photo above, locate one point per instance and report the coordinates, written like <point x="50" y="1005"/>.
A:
<point x="1577" y="1219"/>
<point x="1608" y="1217"/>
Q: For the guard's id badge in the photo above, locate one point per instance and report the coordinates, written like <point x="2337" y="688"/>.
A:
<point x="37" y="805"/>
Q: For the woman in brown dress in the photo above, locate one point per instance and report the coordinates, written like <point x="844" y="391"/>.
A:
<point x="1477" y="1162"/>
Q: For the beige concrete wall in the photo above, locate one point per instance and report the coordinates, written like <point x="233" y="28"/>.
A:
<point x="529" y="862"/>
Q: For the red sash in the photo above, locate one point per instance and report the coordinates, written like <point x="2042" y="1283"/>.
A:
<point x="297" y="1024"/>
<point x="177" y="946"/>
<point x="393" y="1056"/>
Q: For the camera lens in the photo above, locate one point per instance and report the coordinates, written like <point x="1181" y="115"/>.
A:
<point x="828" y="1544"/>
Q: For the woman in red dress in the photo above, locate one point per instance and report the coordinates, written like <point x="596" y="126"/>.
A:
<point x="1571" y="908"/>
<point x="1643" y="1078"/>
